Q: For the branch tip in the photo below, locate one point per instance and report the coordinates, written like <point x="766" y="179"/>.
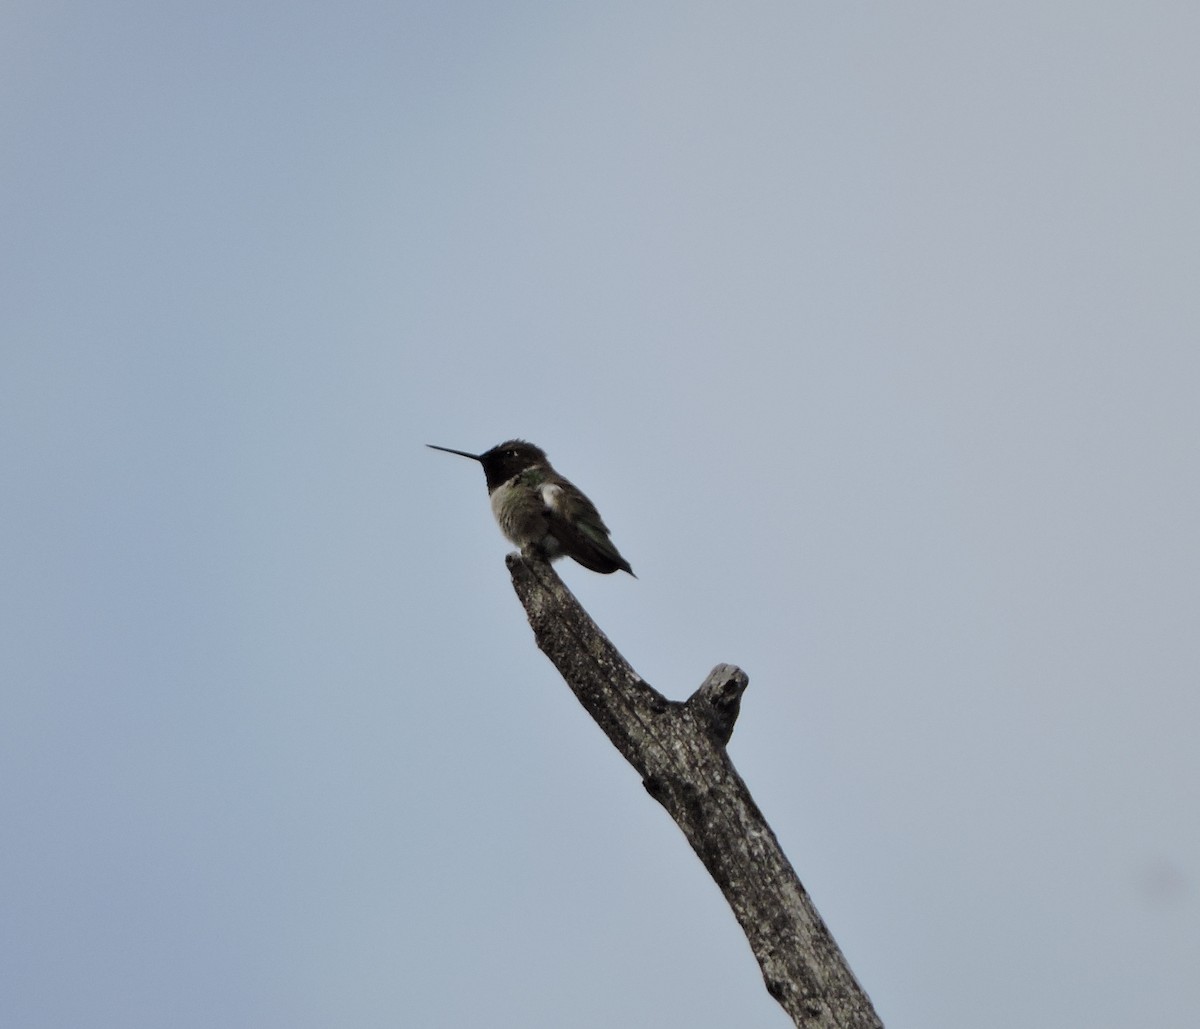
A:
<point x="719" y="700"/>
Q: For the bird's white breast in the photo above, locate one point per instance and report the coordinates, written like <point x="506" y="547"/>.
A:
<point x="499" y="500"/>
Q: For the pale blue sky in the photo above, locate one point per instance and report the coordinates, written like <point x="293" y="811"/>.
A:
<point x="874" y="332"/>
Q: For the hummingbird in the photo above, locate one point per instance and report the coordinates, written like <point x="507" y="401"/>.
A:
<point x="542" y="512"/>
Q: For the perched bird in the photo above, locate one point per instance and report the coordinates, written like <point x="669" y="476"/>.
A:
<point x="540" y="511"/>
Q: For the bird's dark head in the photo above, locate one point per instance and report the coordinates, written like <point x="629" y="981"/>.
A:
<point x="505" y="460"/>
<point x="510" y="458"/>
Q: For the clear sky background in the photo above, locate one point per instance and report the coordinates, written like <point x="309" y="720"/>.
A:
<point x="872" y="329"/>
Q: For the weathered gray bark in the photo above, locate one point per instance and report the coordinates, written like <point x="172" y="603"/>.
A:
<point x="679" y="751"/>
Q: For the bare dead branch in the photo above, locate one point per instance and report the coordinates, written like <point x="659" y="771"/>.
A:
<point x="679" y="751"/>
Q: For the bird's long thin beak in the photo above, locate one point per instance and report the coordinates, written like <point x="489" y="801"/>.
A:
<point x="460" y="453"/>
